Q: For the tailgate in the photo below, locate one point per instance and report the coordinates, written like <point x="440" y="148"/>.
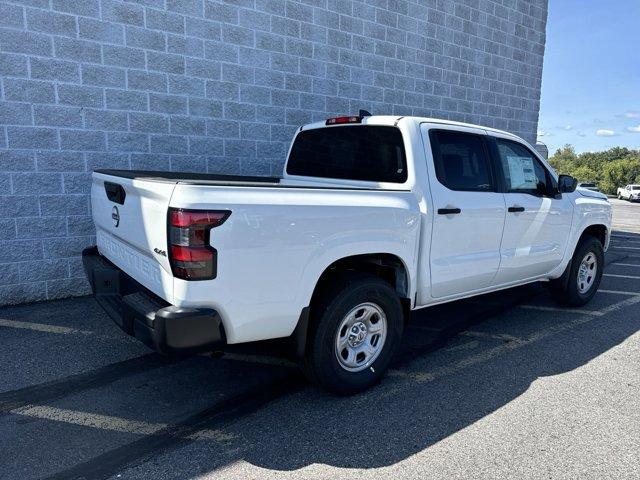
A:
<point x="130" y="215"/>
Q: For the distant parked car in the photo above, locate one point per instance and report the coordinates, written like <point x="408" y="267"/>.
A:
<point x="630" y="192"/>
<point x="589" y="186"/>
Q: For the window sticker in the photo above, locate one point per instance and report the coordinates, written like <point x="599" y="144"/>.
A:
<point x="522" y="174"/>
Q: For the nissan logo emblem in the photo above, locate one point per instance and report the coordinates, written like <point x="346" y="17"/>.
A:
<point x="115" y="215"/>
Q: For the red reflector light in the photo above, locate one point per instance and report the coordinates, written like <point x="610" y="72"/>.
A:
<point x="190" y="252"/>
<point x="340" y="120"/>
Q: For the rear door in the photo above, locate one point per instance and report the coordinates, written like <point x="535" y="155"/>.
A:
<point x="469" y="212"/>
<point x="130" y="215"/>
<point x="538" y="219"/>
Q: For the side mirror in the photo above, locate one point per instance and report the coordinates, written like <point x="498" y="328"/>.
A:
<point x="567" y="184"/>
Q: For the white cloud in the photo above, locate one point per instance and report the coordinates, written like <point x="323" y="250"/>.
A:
<point x="605" y="133"/>
<point x="582" y="134"/>
<point x="632" y="114"/>
<point x="568" y="127"/>
<point x="634" y="129"/>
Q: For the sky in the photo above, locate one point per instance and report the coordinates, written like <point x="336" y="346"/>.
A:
<point x="591" y="76"/>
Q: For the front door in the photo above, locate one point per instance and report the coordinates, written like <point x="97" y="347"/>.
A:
<point x="468" y="214"/>
<point x="538" y="220"/>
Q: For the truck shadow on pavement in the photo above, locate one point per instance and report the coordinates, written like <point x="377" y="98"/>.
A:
<point x="465" y="372"/>
<point x="461" y="362"/>
<point x="407" y="414"/>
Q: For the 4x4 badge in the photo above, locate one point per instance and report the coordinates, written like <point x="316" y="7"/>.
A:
<point x="160" y="252"/>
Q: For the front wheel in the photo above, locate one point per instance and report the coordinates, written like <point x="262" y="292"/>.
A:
<point x="583" y="275"/>
<point x="356" y="327"/>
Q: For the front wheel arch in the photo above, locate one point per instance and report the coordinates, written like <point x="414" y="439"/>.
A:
<point x="563" y="289"/>
<point x="598" y="231"/>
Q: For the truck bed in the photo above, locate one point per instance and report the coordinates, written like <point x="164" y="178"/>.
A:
<point x="193" y="178"/>
<point x="221" y="180"/>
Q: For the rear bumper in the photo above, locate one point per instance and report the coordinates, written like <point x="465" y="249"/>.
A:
<point x="138" y="312"/>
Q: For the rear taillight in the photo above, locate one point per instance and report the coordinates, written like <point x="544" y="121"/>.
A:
<point x="190" y="252"/>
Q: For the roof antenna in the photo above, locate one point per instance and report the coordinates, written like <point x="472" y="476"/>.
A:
<point x="363" y="113"/>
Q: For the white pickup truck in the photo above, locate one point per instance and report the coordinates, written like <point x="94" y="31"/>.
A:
<point x="374" y="216"/>
<point x="629" y="192"/>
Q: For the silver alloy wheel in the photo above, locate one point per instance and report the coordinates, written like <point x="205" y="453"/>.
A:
<point x="360" y="337"/>
<point x="587" y="272"/>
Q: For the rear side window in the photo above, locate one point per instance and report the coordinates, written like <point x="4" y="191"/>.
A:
<point x="461" y="161"/>
<point x="372" y="153"/>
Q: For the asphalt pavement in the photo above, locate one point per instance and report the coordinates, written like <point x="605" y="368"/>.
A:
<point x="506" y="385"/>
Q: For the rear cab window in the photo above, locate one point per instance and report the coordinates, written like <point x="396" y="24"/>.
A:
<point x="355" y="152"/>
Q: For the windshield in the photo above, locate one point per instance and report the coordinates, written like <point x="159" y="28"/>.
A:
<point x="635" y="187"/>
<point x="373" y="153"/>
<point x="587" y="184"/>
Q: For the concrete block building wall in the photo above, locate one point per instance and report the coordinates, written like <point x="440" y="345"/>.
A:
<point x="220" y="86"/>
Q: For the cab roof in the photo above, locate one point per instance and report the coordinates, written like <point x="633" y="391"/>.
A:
<point x="394" y="119"/>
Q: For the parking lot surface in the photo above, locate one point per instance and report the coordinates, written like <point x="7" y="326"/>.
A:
<point x="507" y="385"/>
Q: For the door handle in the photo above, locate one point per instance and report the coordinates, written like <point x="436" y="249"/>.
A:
<point x="515" y="209"/>
<point x="448" y="211"/>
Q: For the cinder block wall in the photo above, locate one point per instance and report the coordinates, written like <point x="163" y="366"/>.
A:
<point x="220" y="86"/>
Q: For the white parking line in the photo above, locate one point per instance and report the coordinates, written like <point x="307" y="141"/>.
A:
<point x="561" y="310"/>
<point x="635" y="277"/>
<point x="626" y="264"/>
<point x="107" y="422"/>
<point x="618" y="292"/>
<point x="47" y="328"/>
<point x="616" y="238"/>
<point x="620" y="247"/>
<point x="471" y="333"/>
<point x="42" y="327"/>
<point x="470" y="345"/>
<point x="495" y="336"/>
<point x="263" y="359"/>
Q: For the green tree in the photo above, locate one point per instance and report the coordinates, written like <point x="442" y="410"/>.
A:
<point x="584" y="173"/>
<point x="610" y="169"/>
<point x="618" y="173"/>
<point x="564" y="158"/>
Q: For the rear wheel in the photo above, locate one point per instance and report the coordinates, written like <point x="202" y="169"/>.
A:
<point x="356" y="328"/>
<point x="579" y="284"/>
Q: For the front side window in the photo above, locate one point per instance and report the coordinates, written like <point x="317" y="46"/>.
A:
<point x="461" y="160"/>
<point x="371" y="153"/>
<point x="523" y="172"/>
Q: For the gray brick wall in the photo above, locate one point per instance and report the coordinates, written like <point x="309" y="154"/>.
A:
<point x="220" y="86"/>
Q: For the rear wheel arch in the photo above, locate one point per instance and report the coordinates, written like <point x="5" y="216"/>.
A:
<point x="326" y="360"/>
<point x="386" y="266"/>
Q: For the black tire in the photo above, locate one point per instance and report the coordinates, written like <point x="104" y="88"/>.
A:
<point x="565" y="289"/>
<point x="332" y="304"/>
